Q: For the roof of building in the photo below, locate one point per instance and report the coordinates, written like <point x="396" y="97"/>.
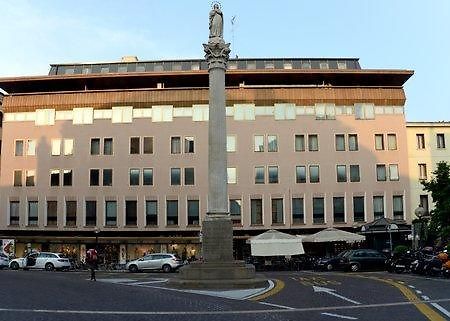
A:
<point x="428" y="124"/>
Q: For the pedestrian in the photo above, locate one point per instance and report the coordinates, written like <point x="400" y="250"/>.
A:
<point x="91" y="260"/>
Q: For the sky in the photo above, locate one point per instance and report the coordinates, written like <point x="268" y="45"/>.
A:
<point x="384" y="34"/>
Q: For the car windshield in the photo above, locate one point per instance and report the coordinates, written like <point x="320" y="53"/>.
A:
<point x="63" y="256"/>
<point x="342" y="254"/>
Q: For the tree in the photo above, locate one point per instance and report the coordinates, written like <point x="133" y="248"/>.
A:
<point x="439" y="187"/>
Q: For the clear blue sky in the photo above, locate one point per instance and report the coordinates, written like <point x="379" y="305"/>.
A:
<point x="386" y="34"/>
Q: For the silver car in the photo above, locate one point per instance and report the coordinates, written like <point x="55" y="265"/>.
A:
<point x="4" y="261"/>
<point x="41" y="260"/>
<point x="156" y="261"/>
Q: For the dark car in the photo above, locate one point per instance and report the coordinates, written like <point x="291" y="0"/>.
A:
<point x="363" y="259"/>
<point x="331" y="263"/>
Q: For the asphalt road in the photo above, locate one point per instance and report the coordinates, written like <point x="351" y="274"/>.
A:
<point x="40" y="295"/>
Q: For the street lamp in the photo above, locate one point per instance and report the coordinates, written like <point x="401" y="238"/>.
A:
<point x="422" y="215"/>
<point x="96" y="231"/>
<point x="391" y="227"/>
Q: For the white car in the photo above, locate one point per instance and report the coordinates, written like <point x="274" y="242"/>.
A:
<point x="4" y="261"/>
<point x="157" y="261"/>
<point x="41" y="260"/>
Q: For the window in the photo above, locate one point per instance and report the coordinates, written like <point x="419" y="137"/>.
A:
<point x="318" y="210"/>
<point x="193" y="212"/>
<point x="298" y="213"/>
<point x="56" y="147"/>
<point x="354" y="173"/>
<point x="231" y="144"/>
<point x="30" y="177"/>
<point x="189" y="176"/>
<point x="151" y="213"/>
<point x="175" y="176"/>
<point x="259" y="143"/>
<point x="352" y="142"/>
<point x="31" y="147"/>
<point x="130" y="213"/>
<point x="18" y="178"/>
<point x="71" y="213"/>
<point x="424" y="203"/>
<point x="32" y="213"/>
<point x="94" y="177"/>
<point x="54" y="177"/>
<point x="422" y="171"/>
<point x="392" y="141"/>
<point x="148" y="145"/>
<point x="378" y="207"/>
<point x="122" y="114"/>
<point x="300" y="174"/>
<point x="52" y="213"/>
<point x="111" y="213"/>
<point x="135" y="145"/>
<point x="338" y="209"/>
<point x="134" y="176"/>
<point x="172" y="212"/>
<point x="231" y="175"/>
<point x="420" y="141"/>
<point x="364" y="111"/>
<point x="341" y="171"/>
<point x="91" y="213"/>
<point x="277" y="211"/>
<point x="313" y="143"/>
<point x="440" y="141"/>
<point x="95" y="146"/>
<point x="107" y="177"/>
<point x="273" y="174"/>
<point x="148" y="176"/>
<point x="175" y="145"/>
<point x="397" y="203"/>
<point x="272" y="143"/>
<point x="314" y="174"/>
<point x="256" y="211"/>
<point x="188" y="145"/>
<point x="379" y="142"/>
<point x="299" y="143"/>
<point x="340" y="142"/>
<point x="235" y="211"/>
<point x="18" y="148"/>
<point x="393" y="172"/>
<point x="259" y="175"/>
<point x="68" y="147"/>
<point x="358" y="209"/>
<point x="381" y="172"/>
<point x="14" y="213"/>
<point x="108" y="147"/>
<point x="67" y="177"/>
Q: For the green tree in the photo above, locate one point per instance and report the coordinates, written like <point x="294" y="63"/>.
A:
<point x="439" y="187"/>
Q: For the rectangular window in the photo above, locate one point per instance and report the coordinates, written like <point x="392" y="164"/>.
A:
<point x="422" y="171"/>
<point x="272" y="143"/>
<point x="151" y="213"/>
<point x="420" y="141"/>
<point x="148" y="145"/>
<point x="175" y="176"/>
<point x="71" y="213"/>
<point x="277" y="211"/>
<point x="397" y="203"/>
<point x="111" y="213"/>
<point x="299" y="143"/>
<point x="94" y="177"/>
<point x="135" y="143"/>
<point x="54" y="177"/>
<point x="424" y="203"/>
<point x="235" y="211"/>
<point x="259" y="175"/>
<point x="392" y="141"/>
<point x="33" y="213"/>
<point x="175" y="145"/>
<point x="231" y="175"/>
<point x="18" y="151"/>
<point x="318" y="210"/>
<point x="298" y="212"/>
<point x="107" y="177"/>
<point x="68" y="147"/>
<point x="341" y="172"/>
<point x="339" y="209"/>
<point x="300" y="174"/>
<point x="313" y="143"/>
<point x="30" y="177"/>
<point x="378" y="207"/>
<point x="440" y="141"/>
<point x="393" y="172"/>
<point x="52" y="213"/>
<point x="231" y="144"/>
<point x="134" y="176"/>
<point x="259" y="143"/>
<point x="340" y="142"/>
<point x="193" y="210"/>
<point x="18" y="178"/>
<point x="381" y="172"/>
<point x="256" y="211"/>
<point x="314" y="174"/>
<point x="31" y="147"/>
<point x="189" y="145"/>
<point x="91" y="213"/>
<point x="379" y="142"/>
<point x="189" y="177"/>
<point x="358" y="209"/>
<point x="172" y="212"/>
<point x="67" y="177"/>
<point x="148" y="176"/>
<point x="353" y="142"/>
<point x="354" y="173"/>
<point x="273" y="174"/>
<point x="95" y="146"/>
<point x="56" y="147"/>
<point x="130" y="213"/>
<point x="14" y="213"/>
<point x="108" y="147"/>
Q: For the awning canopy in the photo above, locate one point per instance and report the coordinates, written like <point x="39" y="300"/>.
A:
<point x="275" y="243"/>
<point x="333" y="235"/>
<point x="381" y="226"/>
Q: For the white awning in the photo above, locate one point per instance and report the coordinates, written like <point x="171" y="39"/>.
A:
<point x="275" y="243"/>
<point x="333" y="235"/>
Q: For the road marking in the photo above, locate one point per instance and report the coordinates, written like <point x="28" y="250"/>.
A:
<point x="425" y="297"/>
<point x="331" y="291"/>
<point x="279" y="285"/>
<point x="339" y="316"/>
<point x="412" y="286"/>
<point x="277" y="305"/>
<point x="440" y="308"/>
<point x="418" y="292"/>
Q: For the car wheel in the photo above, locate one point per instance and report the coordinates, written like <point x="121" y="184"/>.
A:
<point x="133" y="268"/>
<point x="166" y="268"/>
<point x="14" y="265"/>
<point x="49" y="267"/>
<point x="330" y="267"/>
<point x="354" y="267"/>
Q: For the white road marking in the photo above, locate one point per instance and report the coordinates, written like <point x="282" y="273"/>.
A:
<point x="339" y="316"/>
<point x="419" y="292"/>
<point x="147" y="282"/>
<point x="331" y="291"/>
<point x="412" y="286"/>
<point x="425" y="297"/>
<point x="277" y="305"/>
<point x="441" y="308"/>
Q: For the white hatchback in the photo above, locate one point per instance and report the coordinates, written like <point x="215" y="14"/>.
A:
<point x="41" y="260"/>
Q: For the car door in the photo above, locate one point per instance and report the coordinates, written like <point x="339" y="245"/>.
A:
<point x="145" y="262"/>
<point x="156" y="261"/>
<point x="30" y="260"/>
<point x="40" y="260"/>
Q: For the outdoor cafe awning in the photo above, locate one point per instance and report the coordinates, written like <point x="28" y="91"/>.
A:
<point x="275" y="243"/>
<point x="333" y="235"/>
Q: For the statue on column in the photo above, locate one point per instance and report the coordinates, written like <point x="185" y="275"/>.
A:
<point x="215" y="22"/>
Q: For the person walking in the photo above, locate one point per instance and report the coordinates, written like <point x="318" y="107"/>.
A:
<point x="91" y="260"/>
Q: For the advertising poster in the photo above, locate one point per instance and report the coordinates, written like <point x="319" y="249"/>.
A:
<point x="8" y="247"/>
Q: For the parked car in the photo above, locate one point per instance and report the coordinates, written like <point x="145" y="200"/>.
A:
<point x="363" y="259"/>
<point x="4" y="261"/>
<point x="156" y="261"/>
<point x="41" y="260"/>
<point x="331" y="263"/>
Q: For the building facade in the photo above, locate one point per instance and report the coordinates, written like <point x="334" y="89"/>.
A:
<point x="116" y="154"/>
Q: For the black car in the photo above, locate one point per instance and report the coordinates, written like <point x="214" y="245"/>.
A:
<point x="363" y="259"/>
<point x="331" y="263"/>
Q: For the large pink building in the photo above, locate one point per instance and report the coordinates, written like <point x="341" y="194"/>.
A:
<point x="116" y="153"/>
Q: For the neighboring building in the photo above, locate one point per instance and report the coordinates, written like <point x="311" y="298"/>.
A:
<point x="117" y="152"/>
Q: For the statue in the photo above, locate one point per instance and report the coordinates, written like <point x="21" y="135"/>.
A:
<point x="215" y="22"/>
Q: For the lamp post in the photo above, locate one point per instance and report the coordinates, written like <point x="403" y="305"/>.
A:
<point x="96" y="231"/>
<point x="391" y="227"/>
<point x="421" y="214"/>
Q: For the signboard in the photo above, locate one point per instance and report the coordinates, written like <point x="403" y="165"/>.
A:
<point x="8" y="247"/>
